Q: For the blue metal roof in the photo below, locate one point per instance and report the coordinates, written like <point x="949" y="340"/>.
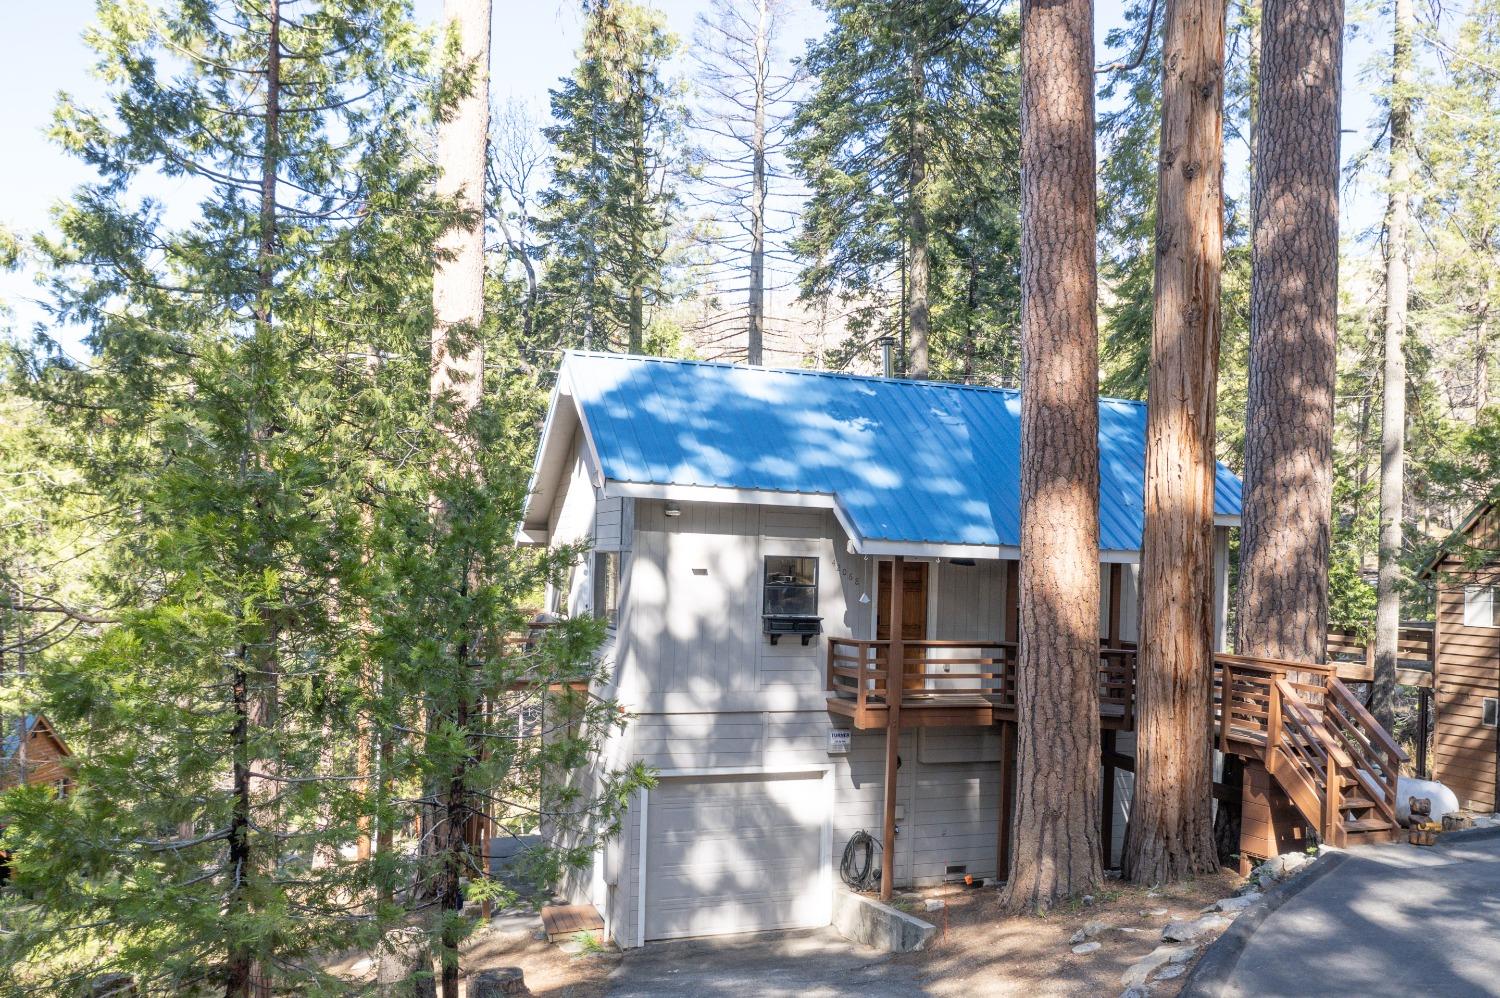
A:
<point x="905" y="461"/>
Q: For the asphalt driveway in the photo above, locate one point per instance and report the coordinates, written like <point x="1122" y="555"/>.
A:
<point x="816" y="963"/>
<point x="1390" y="920"/>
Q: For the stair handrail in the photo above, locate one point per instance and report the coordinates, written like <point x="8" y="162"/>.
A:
<point x="1390" y="756"/>
<point x="1321" y="758"/>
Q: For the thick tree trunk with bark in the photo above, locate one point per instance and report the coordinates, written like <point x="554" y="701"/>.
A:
<point x="1393" y="411"/>
<point x="1283" y="596"/>
<point x="458" y="379"/>
<point x="1171" y="824"/>
<point x="1055" y="851"/>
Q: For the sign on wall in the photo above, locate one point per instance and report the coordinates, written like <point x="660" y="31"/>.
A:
<point x="838" y="741"/>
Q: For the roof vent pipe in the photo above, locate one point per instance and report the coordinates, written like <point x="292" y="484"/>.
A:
<point x="887" y="359"/>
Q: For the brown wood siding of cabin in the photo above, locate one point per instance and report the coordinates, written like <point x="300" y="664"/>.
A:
<point x="1466" y="673"/>
<point x="43" y="760"/>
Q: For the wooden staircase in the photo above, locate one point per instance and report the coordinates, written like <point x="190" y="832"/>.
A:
<point x="1334" y="767"/>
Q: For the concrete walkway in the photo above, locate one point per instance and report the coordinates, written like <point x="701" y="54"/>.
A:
<point x="1391" y="920"/>
<point x="816" y="963"/>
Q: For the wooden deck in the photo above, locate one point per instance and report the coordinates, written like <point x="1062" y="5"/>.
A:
<point x="565" y="921"/>
<point x="957" y="683"/>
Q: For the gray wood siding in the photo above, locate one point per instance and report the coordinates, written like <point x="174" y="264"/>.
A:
<point x="694" y="606"/>
<point x="613" y="527"/>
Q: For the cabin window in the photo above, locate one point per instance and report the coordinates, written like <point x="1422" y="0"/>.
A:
<point x="1491" y="709"/>
<point x="607" y="587"/>
<point x="791" y="586"/>
<point x="1481" y="609"/>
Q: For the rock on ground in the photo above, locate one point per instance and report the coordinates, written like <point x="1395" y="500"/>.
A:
<point x="1090" y="930"/>
<point x="1083" y="948"/>
<point x="1137" y="973"/>
<point x="1181" y="932"/>
<point x="1238" y="903"/>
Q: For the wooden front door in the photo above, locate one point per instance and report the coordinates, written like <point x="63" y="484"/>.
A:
<point x="913" y="611"/>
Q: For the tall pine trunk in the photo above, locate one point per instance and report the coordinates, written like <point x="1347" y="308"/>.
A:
<point x="1283" y="596"/>
<point x="1171" y="824"/>
<point x="917" y="225"/>
<point x="1393" y="410"/>
<point x="755" y="336"/>
<point x="458" y="380"/>
<point x="245" y="974"/>
<point x="1055" y="844"/>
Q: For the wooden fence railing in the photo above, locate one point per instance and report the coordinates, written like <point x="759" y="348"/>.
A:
<point x="937" y="668"/>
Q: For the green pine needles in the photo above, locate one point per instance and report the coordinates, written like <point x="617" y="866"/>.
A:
<point x="297" y="571"/>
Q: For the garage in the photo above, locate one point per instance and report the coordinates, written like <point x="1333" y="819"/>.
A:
<point x="736" y="853"/>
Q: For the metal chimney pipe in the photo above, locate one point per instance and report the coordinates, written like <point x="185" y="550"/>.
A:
<point x="887" y="357"/>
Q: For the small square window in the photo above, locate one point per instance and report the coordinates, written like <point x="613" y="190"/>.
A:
<point x="791" y="587"/>
<point x="1481" y="608"/>
<point x="1491" y="709"/>
<point x="607" y="587"/>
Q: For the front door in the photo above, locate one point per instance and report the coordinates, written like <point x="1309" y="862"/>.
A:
<point x="913" y="611"/>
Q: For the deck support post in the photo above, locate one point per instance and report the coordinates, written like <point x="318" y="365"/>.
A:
<point x="1107" y="799"/>
<point x="1424" y="707"/>
<point x="1007" y="798"/>
<point x="895" y="662"/>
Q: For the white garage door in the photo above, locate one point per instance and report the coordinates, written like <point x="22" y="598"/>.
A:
<point x="735" y="854"/>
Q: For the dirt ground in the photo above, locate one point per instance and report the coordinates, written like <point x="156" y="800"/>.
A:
<point x="977" y="951"/>
<point x="551" y="971"/>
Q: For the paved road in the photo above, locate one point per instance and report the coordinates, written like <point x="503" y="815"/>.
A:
<point x="1392" y="920"/>
<point x="816" y="963"/>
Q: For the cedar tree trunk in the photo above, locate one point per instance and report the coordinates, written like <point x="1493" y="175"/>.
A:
<point x="1170" y="836"/>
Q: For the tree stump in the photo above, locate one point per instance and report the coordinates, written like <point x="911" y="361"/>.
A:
<point x="498" y="983"/>
<point x="404" y="969"/>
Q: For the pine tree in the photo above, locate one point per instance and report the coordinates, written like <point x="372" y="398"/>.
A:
<point x="254" y="428"/>
<point x="610" y="210"/>
<point x="1393" y="379"/>
<point x="1055" y="847"/>
<point x="908" y="143"/>
<point x="208" y="432"/>
<point x="1293" y="319"/>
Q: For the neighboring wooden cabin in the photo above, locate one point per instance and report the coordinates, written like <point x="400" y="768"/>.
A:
<point x="1466" y="667"/>
<point x="31" y="751"/>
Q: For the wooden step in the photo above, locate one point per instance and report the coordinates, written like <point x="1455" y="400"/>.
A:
<point x="565" y="921"/>
<point x="1366" y="825"/>
<point x="1354" y="803"/>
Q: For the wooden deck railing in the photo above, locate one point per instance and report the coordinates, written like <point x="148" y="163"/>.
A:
<point x="934" y="669"/>
<point x="1316" y="738"/>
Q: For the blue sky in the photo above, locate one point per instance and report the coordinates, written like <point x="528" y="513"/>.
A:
<point x="533" y="44"/>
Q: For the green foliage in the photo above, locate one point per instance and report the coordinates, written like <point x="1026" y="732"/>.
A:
<point x="295" y="545"/>
<point x="612" y="204"/>
<point x="854" y="143"/>
<point x="1130" y="133"/>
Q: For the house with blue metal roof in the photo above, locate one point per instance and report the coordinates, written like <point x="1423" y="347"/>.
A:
<point x="773" y="551"/>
